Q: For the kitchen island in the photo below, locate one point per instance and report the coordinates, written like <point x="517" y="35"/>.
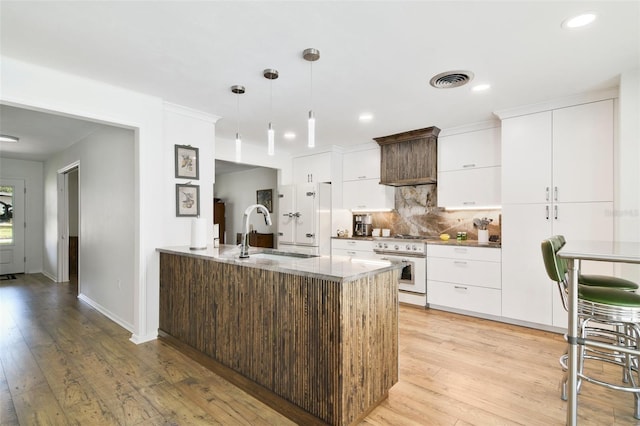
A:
<point x="315" y="338"/>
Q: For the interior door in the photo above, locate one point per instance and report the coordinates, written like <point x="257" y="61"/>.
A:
<point x="12" y="224"/>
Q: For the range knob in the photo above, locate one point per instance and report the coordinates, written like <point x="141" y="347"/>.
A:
<point x="397" y="247"/>
<point x="415" y="247"/>
<point x="409" y="247"/>
<point x="385" y="245"/>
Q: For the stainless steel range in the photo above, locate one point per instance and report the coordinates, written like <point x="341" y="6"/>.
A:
<point x="411" y="250"/>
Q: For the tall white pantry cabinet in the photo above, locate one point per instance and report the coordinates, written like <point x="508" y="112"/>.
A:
<point x="557" y="178"/>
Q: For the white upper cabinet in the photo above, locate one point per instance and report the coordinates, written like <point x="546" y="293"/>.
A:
<point x="582" y="152"/>
<point x="526" y="164"/>
<point x="469" y="169"/>
<point x="367" y="194"/>
<point x="361" y="188"/>
<point x="469" y="188"/>
<point x="564" y="155"/>
<point x="314" y="168"/>
<point x="469" y="150"/>
<point x="360" y="165"/>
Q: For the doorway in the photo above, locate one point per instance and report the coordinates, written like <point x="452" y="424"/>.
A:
<point x="12" y="227"/>
<point x="69" y="223"/>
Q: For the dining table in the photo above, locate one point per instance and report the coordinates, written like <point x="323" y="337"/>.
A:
<point x="575" y="252"/>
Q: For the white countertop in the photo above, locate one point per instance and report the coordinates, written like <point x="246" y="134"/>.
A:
<point x="332" y="268"/>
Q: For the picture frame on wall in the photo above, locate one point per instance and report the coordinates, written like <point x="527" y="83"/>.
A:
<point x="187" y="200"/>
<point x="265" y="197"/>
<point x="187" y="162"/>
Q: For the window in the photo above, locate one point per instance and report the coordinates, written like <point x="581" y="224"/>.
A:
<point x="6" y="214"/>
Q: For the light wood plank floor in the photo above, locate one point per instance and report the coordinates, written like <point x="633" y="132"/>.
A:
<point x="62" y="362"/>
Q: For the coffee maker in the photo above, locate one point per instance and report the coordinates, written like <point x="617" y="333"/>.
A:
<point x="362" y="226"/>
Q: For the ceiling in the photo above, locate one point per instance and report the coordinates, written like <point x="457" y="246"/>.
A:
<point x="376" y="57"/>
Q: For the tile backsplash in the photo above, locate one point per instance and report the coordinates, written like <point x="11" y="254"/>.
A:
<point x="417" y="213"/>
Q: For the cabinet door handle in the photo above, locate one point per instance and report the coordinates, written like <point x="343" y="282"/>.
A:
<point x="353" y="243"/>
<point x="362" y="177"/>
<point x="547" y="194"/>
<point x="460" y="250"/>
<point x="555" y="193"/>
<point x="555" y="212"/>
<point x="459" y="262"/>
<point x="351" y="253"/>
<point x="466" y="166"/>
<point x="547" y="212"/>
<point x="468" y="203"/>
<point x="459" y="287"/>
<point x="309" y="235"/>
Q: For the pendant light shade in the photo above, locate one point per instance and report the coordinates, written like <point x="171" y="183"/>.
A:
<point x="311" y="55"/>
<point x="271" y="75"/>
<point x="238" y="90"/>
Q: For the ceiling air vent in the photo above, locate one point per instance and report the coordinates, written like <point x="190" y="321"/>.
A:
<point x="451" y="79"/>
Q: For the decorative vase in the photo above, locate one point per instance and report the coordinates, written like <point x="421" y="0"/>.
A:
<point x="483" y="236"/>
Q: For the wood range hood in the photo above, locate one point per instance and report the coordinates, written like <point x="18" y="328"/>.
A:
<point x="409" y="158"/>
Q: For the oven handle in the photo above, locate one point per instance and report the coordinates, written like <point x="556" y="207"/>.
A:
<point x="394" y="254"/>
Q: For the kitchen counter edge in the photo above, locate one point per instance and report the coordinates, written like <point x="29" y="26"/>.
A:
<point x="331" y="268"/>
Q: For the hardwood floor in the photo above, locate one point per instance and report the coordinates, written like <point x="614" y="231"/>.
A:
<point x="62" y="362"/>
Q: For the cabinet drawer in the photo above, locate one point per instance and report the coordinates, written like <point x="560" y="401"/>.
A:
<point x="460" y="271"/>
<point x="468" y="298"/>
<point x="354" y="253"/>
<point x="463" y="252"/>
<point x="346" y="244"/>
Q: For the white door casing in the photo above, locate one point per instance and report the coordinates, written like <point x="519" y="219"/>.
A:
<point x="12" y="258"/>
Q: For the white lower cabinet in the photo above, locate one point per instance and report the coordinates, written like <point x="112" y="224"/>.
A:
<point x="353" y="248"/>
<point x="464" y="278"/>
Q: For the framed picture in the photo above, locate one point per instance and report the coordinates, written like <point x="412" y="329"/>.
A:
<point x="187" y="200"/>
<point x="264" y="197"/>
<point x="187" y="162"/>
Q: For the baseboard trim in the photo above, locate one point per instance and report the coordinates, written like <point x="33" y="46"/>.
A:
<point x="106" y="312"/>
<point x="142" y="339"/>
<point x="48" y="275"/>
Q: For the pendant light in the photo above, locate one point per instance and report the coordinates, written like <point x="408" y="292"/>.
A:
<point x="311" y="55"/>
<point x="238" y="90"/>
<point x="271" y="75"/>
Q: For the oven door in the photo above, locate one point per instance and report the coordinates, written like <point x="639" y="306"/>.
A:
<point x="413" y="276"/>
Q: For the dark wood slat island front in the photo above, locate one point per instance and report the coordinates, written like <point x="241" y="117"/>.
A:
<point x="315" y="338"/>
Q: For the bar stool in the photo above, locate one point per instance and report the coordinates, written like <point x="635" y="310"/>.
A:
<point x="595" y="280"/>
<point x="605" y="314"/>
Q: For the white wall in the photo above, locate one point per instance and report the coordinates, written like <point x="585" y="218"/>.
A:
<point x="106" y="277"/>
<point x="34" y="87"/>
<point x="32" y="173"/>
<point x="238" y="191"/>
<point x="627" y="204"/>
<point x="184" y="126"/>
<point x="255" y="153"/>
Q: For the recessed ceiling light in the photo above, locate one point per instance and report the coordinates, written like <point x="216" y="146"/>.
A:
<point x="579" y="21"/>
<point x="7" y="138"/>
<point x="481" y="87"/>
<point x="365" y="116"/>
<point x="289" y="135"/>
